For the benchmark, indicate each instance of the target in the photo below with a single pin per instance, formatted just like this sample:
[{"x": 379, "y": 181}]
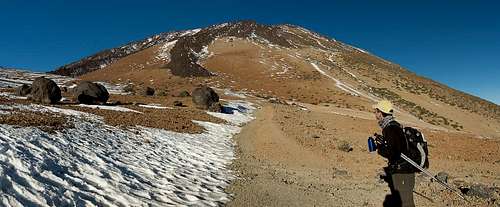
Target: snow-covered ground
[
  {"x": 99, "y": 165},
  {"x": 112, "y": 108},
  {"x": 11, "y": 78},
  {"x": 95, "y": 164}
]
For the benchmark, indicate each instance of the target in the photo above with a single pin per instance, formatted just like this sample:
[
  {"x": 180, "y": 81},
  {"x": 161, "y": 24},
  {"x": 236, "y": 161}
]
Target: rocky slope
[{"x": 290, "y": 63}]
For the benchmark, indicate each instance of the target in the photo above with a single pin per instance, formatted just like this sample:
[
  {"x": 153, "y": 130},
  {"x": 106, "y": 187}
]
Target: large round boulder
[
  {"x": 46, "y": 91},
  {"x": 204, "y": 97},
  {"x": 23, "y": 90},
  {"x": 87, "y": 92}
]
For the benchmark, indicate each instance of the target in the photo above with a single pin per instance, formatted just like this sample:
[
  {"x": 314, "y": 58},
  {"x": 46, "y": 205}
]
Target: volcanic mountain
[{"x": 287, "y": 63}]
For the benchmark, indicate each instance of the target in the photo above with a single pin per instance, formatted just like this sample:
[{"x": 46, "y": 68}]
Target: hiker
[{"x": 398, "y": 174}]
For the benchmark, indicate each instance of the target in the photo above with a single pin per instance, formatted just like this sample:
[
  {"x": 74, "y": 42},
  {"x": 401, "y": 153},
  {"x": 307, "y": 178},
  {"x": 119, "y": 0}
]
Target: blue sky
[{"x": 454, "y": 42}]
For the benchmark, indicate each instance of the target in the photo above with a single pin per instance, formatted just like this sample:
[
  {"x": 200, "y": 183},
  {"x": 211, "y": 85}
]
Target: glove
[{"x": 379, "y": 139}]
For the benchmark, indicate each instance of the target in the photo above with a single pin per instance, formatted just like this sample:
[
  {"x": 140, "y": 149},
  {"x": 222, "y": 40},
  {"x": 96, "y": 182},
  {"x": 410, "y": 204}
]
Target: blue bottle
[{"x": 371, "y": 144}]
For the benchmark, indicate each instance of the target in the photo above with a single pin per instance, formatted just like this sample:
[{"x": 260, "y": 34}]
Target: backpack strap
[{"x": 395, "y": 123}]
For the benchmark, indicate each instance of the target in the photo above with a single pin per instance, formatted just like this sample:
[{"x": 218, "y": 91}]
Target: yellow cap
[{"x": 384, "y": 106}]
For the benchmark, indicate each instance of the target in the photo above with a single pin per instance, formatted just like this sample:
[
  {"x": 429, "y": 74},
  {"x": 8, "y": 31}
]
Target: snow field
[{"x": 94, "y": 164}]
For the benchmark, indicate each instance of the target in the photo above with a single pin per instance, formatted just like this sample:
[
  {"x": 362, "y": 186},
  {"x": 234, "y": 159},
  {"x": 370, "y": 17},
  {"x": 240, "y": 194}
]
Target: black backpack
[{"x": 417, "y": 147}]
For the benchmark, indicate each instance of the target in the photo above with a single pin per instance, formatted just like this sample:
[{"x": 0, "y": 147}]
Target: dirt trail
[
  {"x": 275, "y": 170},
  {"x": 266, "y": 141},
  {"x": 289, "y": 156}
]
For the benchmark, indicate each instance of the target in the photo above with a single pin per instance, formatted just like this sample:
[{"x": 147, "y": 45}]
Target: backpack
[{"x": 417, "y": 147}]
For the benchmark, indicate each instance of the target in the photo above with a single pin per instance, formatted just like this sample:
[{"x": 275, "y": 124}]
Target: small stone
[
  {"x": 442, "y": 176},
  {"x": 184, "y": 94},
  {"x": 345, "y": 146},
  {"x": 315, "y": 136},
  {"x": 115, "y": 103},
  {"x": 129, "y": 88},
  {"x": 340, "y": 173},
  {"x": 178, "y": 103},
  {"x": 480, "y": 190}
]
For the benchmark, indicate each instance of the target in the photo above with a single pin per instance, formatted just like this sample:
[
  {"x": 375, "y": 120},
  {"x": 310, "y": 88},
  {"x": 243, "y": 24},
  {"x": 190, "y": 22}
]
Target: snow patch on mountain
[
  {"x": 338, "y": 83},
  {"x": 189, "y": 32},
  {"x": 164, "y": 51}
]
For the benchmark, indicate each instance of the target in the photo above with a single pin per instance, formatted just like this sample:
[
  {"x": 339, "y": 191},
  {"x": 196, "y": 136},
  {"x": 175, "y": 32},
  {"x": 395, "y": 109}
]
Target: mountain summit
[{"x": 289, "y": 63}]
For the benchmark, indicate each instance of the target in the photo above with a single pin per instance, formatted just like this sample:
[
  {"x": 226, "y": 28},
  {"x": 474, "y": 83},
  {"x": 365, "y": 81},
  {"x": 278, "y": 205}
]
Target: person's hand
[{"x": 379, "y": 139}]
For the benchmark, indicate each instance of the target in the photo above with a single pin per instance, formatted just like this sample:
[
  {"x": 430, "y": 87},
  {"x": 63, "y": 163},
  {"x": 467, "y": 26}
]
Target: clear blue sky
[{"x": 454, "y": 42}]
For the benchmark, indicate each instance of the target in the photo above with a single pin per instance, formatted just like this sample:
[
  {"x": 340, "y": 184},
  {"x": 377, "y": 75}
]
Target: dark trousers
[{"x": 401, "y": 185}]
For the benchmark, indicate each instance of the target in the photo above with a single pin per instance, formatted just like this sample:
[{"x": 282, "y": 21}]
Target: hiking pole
[{"x": 432, "y": 176}]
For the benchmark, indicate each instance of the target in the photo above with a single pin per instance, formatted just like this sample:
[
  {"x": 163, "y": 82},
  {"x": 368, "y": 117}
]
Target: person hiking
[{"x": 398, "y": 174}]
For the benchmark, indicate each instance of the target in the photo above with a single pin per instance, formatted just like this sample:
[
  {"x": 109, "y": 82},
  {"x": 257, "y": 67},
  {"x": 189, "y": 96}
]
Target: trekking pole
[{"x": 432, "y": 176}]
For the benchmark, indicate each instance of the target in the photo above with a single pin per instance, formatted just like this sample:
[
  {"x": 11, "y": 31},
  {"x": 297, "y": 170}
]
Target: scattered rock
[
  {"x": 345, "y": 146},
  {"x": 129, "y": 88},
  {"x": 161, "y": 92},
  {"x": 115, "y": 103},
  {"x": 184, "y": 94},
  {"x": 340, "y": 173},
  {"x": 315, "y": 136},
  {"x": 23, "y": 90},
  {"x": 479, "y": 190},
  {"x": 46, "y": 91},
  {"x": 178, "y": 103},
  {"x": 204, "y": 97},
  {"x": 87, "y": 92},
  {"x": 442, "y": 176}
]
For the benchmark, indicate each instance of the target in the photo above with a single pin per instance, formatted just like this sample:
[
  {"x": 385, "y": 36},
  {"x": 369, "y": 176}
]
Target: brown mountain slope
[{"x": 292, "y": 63}]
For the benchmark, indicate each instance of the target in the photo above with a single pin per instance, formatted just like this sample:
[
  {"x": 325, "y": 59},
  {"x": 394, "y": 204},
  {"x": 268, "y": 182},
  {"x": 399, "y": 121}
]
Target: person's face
[{"x": 378, "y": 115}]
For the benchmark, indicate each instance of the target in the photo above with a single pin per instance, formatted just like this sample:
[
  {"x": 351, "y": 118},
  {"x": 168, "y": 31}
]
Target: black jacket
[{"x": 394, "y": 144}]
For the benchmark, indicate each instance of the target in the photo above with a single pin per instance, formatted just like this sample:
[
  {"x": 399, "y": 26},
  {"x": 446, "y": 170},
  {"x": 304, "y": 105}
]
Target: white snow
[
  {"x": 343, "y": 86},
  {"x": 112, "y": 108},
  {"x": 237, "y": 112},
  {"x": 164, "y": 51},
  {"x": 338, "y": 83},
  {"x": 361, "y": 50},
  {"x": 12, "y": 96},
  {"x": 94, "y": 164},
  {"x": 114, "y": 88},
  {"x": 330, "y": 58},
  {"x": 235, "y": 94},
  {"x": 155, "y": 106},
  {"x": 203, "y": 54},
  {"x": 189, "y": 32}
]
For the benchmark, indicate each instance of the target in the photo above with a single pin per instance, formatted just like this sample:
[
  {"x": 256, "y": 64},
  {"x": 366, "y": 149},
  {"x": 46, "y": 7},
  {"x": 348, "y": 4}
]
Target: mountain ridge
[{"x": 231, "y": 51}]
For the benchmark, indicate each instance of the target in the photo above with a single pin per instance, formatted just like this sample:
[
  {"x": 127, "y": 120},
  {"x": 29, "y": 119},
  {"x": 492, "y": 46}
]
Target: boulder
[
  {"x": 204, "y": 97},
  {"x": 46, "y": 91},
  {"x": 23, "y": 90},
  {"x": 148, "y": 91},
  {"x": 87, "y": 92}
]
